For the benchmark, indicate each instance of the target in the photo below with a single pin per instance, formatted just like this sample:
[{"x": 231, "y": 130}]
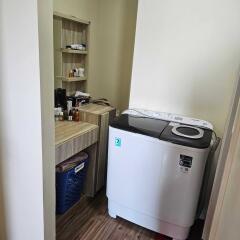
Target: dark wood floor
[{"x": 89, "y": 220}]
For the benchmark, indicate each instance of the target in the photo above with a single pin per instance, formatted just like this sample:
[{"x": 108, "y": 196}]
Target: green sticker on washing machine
[{"x": 118, "y": 142}]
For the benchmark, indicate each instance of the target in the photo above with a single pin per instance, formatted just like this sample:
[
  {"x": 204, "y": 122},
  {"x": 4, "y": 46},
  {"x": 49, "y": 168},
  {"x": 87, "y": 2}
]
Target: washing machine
[{"x": 156, "y": 164}]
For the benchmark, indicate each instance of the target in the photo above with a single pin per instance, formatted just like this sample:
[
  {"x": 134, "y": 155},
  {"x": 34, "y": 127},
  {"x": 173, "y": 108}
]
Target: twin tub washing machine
[{"x": 156, "y": 163}]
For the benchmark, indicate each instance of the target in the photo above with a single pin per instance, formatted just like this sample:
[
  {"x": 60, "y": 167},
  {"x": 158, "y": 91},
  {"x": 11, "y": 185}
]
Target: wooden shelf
[
  {"x": 65, "y": 50},
  {"x": 71, "y": 18},
  {"x": 72, "y": 79},
  {"x": 69, "y": 30}
]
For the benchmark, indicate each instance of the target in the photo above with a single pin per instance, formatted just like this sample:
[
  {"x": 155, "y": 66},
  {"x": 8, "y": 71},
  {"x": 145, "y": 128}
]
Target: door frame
[{"x": 223, "y": 169}]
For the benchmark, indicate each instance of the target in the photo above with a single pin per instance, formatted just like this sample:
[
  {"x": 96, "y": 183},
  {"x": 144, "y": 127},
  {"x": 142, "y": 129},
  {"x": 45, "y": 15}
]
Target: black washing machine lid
[
  {"x": 187, "y": 135},
  {"x": 142, "y": 125}
]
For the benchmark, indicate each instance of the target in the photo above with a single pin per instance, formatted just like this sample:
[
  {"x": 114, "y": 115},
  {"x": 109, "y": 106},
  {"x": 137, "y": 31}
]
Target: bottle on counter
[
  {"x": 75, "y": 72},
  {"x": 57, "y": 117},
  {"x": 77, "y": 116},
  {"x": 70, "y": 116},
  {"x": 71, "y": 73},
  {"x": 73, "y": 114},
  {"x": 69, "y": 105},
  {"x": 57, "y": 113},
  {"x": 61, "y": 116},
  {"x": 65, "y": 114}
]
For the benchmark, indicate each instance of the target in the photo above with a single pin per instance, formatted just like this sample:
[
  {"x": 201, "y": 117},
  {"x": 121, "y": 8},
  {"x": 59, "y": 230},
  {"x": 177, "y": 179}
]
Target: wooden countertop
[
  {"x": 64, "y": 130},
  {"x": 96, "y": 108}
]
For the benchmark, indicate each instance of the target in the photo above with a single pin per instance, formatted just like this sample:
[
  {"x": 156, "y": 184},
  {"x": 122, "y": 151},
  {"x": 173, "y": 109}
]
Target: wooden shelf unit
[{"x": 70, "y": 30}]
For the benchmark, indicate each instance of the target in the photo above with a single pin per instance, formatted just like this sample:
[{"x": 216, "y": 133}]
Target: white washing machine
[{"x": 156, "y": 163}]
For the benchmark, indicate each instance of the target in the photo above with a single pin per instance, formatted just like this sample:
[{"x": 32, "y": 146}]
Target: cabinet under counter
[{"x": 74, "y": 137}]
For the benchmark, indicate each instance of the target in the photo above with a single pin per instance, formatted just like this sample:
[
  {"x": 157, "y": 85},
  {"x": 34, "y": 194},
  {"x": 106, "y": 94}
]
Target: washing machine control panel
[
  {"x": 169, "y": 117},
  {"x": 185, "y": 161}
]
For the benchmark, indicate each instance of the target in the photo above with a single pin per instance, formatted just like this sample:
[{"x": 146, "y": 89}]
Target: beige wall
[
  {"x": 111, "y": 44},
  {"x": 228, "y": 226},
  {"x": 222, "y": 163},
  {"x": 187, "y": 57},
  {"x": 225, "y": 224},
  {"x": 116, "y": 33},
  {"x": 45, "y": 30},
  {"x": 2, "y": 209}
]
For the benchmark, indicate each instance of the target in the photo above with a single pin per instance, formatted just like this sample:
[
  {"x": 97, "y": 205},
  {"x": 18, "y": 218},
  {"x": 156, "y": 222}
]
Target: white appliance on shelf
[{"x": 156, "y": 164}]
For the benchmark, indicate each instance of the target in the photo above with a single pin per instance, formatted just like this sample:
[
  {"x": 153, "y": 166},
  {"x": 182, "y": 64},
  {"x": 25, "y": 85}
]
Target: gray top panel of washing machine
[{"x": 141, "y": 125}]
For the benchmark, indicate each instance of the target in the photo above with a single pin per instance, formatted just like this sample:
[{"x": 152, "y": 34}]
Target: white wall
[
  {"x": 20, "y": 123},
  {"x": 187, "y": 57}
]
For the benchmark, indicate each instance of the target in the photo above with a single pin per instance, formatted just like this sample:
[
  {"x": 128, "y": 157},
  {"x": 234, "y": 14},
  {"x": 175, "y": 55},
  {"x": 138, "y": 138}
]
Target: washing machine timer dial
[{"x": 185, "y": 161}]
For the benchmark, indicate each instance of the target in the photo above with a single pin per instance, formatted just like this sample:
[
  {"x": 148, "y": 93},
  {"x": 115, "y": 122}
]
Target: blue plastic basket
[{"x": 69, "y": 186}]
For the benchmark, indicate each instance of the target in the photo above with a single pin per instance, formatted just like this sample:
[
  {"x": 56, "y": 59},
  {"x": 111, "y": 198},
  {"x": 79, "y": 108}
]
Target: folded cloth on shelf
[
  {"x": 77, "y": 46},
  {"x": 81, "y": 94}
]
